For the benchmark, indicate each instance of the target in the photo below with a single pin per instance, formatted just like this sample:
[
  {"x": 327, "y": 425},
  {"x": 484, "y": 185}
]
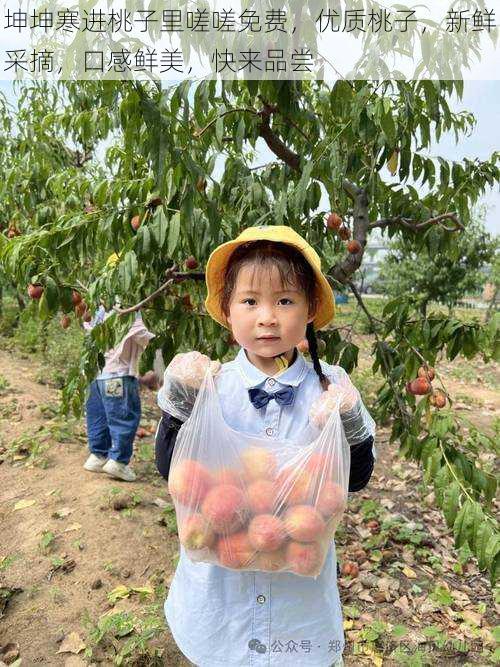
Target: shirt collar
[{"x": 252, "y": 376}]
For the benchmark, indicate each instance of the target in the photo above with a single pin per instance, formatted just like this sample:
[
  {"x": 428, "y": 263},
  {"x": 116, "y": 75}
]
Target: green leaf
[
  {"x": 174, "y": 229},
  {"x": 450, "y": 502}
]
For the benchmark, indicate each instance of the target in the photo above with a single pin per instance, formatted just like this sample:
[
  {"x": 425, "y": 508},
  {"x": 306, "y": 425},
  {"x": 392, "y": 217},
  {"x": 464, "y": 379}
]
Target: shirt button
[
  {"x": 271, "y": 382},
  {"x": 261, "y": 599},
  {"x": 269, "y": 431}
]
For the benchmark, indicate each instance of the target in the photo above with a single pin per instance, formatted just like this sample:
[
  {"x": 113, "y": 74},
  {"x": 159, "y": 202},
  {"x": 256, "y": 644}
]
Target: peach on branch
[
  {"x": 258, "y": 463},
  {"x": 191, "y": 263},
  {"x": 225, "y": 507},
  {"x": 35, "y": 291},
  {"x": 419, "y": 387},
  {"x": 438, "y": 398},
  {"x": 266, "y": 532},
  {"x": 135, "y": 222},
  {"x": 189, "y": 482},
  {"x": 261, "y": 496},
  {"x": 344, "y": 233},
  {"x": 426, "y": 372},
  {"x": 304, "y": 559},
  {"x": 235, "y": 550},
  {"x": 65, "y": 321},
  {"x": 76, "y": 297},
  {"x": 353, "y": 247},
  {"x": 334, "y": 221},
  {"x": 80, "y": 309},
  {"x": 304, "y": 523}
]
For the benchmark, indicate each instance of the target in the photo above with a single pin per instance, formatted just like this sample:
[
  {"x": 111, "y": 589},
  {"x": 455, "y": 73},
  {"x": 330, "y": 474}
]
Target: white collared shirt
[{"x": 221, "y": 617}]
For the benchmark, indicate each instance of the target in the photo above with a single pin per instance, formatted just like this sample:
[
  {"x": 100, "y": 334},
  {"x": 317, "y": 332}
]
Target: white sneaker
[
  {"x": 95, "y": 463},
  {"x": 119, "y": 470}
]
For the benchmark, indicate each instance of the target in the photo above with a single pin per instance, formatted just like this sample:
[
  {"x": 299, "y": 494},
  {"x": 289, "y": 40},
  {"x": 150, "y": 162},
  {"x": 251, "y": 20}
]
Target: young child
[
  {"x": 267, "y": 287},
  {"x": 113, "y": 407}
]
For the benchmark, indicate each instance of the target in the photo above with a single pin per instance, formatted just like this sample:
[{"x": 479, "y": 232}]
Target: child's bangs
[{"x": 262, "y": 269}]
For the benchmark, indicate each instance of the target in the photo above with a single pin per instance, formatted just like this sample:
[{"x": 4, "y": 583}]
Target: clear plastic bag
[{"x": 249, "y": 503}]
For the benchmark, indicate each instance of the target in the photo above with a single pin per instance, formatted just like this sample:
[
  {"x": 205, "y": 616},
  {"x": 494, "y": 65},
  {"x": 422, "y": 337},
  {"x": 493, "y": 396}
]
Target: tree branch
[
  {"x": 402, "y": 408},
  {"x": 343, "y": 270},
  {"x": 198, "y": 133},
  {"x": 415, "y": 226},
  {"x": 174, "y": 277},
  {"x": 277, "y": 146}
]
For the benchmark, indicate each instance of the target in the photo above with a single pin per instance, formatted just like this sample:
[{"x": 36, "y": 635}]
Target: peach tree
[{"x": 178, "y": 174}]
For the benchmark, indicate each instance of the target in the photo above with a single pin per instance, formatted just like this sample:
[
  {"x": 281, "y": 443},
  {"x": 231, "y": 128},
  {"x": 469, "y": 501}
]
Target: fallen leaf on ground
[
  {"x": 72, "y": 643},
  {"x": 22, "y": 504}
]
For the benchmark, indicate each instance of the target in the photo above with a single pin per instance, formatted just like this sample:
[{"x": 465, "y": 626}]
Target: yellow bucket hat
[{"x": 217, "y": 262}]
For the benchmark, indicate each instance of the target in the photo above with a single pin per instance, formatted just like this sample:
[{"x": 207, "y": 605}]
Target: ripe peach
[
  {"x": 304, "y": 523},
  {"x": 266, "y": 532},
  {"x": 438, "y": 398},
  {"x": 303, "y": 558},
  {"x": 35, "y": 291},
  {"x": 295, "y": 487},
  {"x": 80, "y": 308},
  {"x": 270, "y": 561},
  {"x": 225, "y": 507},
  {"x": 330, "y": 499},
  {"x": 261, "y": 496},
  {"x": 189, "y": 482},
  {"x": 353, "y": 247},
  {"x": 76, "y": 297},
  {"x": 196, "y": 533},
  {"x": 235, "y": 550},
  {"x": 228, "y": 476},
  {"x": 191, "y": 263},
  {"x": 334, "y": 221},
  {"x": 135, "y": 222},
  {"x": 319, "y": 464},
  {"x": 428, "y": 373},
  {"x": 258, "y": 463},
  {"x": 344, "y": 233},
  {"x": 419, "y": 387},
  {"x": 303, "y": 346},
  {"x": 65, "y": 321}
]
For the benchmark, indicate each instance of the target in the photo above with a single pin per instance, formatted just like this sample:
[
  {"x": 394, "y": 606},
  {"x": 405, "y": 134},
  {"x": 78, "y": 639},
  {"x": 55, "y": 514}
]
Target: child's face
[{"x": 263, "y": 307}]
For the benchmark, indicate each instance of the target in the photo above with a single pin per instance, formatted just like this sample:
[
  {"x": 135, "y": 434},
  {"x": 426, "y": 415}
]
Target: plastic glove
[
  {"x": 181, "y": 382},
  {"x": 342, "y": 394},
  {"x": 189, "y": 368}
]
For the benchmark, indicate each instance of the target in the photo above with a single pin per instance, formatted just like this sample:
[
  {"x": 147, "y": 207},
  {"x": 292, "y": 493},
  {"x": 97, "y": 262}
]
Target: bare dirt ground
[{"x": 85, "y": 562}]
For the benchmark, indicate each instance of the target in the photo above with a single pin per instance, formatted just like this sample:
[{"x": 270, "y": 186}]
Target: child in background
[
  {"x": 113, "y": 407},
  {"x": 267, "y": 287}
]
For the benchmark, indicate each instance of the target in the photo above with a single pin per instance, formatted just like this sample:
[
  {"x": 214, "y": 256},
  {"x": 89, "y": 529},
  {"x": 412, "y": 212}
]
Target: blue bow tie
[{"x": 259, "y": 398}]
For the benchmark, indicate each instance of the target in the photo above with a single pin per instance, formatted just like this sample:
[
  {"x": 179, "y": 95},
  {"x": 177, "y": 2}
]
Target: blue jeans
[{"x": 113, "y": 411}]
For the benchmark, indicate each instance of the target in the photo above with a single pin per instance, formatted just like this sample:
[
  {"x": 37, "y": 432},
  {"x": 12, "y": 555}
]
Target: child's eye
[
  {"x": 248, "y": 299},
  {"x": 286, "y": 299}
]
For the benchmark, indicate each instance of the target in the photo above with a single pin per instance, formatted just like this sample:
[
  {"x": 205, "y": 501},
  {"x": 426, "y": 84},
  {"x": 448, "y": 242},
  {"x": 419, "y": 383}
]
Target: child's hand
[
  {"x": 342, "y": 394},
  {"x": 189, "y": 368}
]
